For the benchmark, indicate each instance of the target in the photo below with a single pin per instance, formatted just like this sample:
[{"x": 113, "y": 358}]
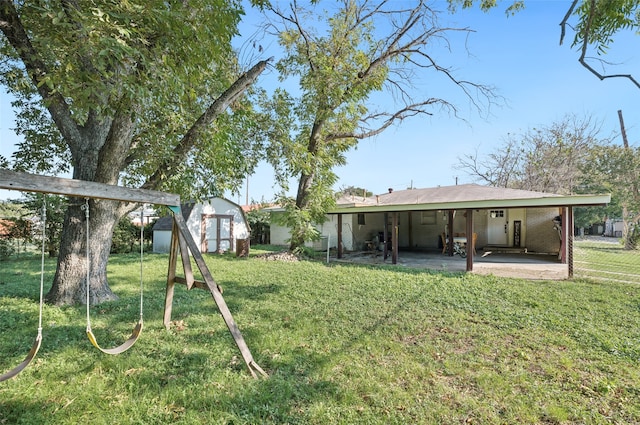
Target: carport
[{"x": 470, "y": 201}]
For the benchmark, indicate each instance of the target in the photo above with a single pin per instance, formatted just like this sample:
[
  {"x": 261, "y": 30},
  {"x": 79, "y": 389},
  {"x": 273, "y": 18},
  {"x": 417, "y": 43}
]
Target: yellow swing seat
[
  {"x": 120, "y": 348},
  {"x": 138, "y": 328},
  {"x": 38, "y": 341},
  {"x": 30, "y": 356}
]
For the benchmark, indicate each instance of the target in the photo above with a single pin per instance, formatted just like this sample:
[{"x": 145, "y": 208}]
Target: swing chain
[{"x": 85, "y": 207}]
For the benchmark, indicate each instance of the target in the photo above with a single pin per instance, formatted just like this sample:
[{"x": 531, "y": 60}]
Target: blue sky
[
  {"x": 520, "y": 56},
  {"x": 540, "y": 80}
]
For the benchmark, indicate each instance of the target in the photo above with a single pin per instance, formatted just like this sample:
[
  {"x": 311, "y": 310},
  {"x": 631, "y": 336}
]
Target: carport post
[
  {"x": 394, "y": 238},
  {"x": 564, "y": 235},
  {"x": 450, "y": 232},
  {"x": 339, "y": 236},
  {"x": 569, "y": 224},
  {"x": 469, "y": 232}
]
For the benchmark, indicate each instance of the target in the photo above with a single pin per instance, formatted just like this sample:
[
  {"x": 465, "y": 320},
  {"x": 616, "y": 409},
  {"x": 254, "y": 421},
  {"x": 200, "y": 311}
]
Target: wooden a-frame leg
[
  {"x": 171, "y": 277},
  {"x": 217, "y": 295},
  {"x": 186, "y": 260}
]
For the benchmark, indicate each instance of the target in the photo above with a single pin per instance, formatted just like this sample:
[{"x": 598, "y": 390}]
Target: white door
[
  {"x": 217, "y": 233},
  {"x": 224, "y": 233},
  {"x": 497, "y": 232}
]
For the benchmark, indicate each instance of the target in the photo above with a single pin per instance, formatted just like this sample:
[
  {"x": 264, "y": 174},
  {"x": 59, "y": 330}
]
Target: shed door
[
  {"x": 217, "y": 233},
  {"x": 497, "y": 231}
]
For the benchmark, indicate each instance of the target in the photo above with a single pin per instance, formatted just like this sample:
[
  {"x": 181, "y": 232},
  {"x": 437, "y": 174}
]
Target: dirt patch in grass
[{"x": 285, "y": 256}]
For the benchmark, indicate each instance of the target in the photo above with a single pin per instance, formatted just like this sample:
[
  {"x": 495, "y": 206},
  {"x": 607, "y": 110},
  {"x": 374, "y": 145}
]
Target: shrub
[{"x": 6, "y": 249}]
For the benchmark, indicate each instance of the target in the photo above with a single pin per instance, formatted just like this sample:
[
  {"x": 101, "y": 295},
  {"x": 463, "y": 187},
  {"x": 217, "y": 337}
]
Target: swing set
[{"x": 182, "y": 244}]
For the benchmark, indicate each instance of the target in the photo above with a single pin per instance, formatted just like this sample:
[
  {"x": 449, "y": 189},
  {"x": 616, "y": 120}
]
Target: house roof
[{"x": 462, "y": 197}]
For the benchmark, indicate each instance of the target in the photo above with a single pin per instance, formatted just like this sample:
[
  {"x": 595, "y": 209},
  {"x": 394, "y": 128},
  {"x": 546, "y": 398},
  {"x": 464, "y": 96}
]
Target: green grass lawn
[
  {"x": 342, "y": 344},
  {"x": 606, "y": 261}
]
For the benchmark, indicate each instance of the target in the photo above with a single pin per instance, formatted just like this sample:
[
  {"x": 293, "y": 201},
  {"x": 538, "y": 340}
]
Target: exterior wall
[
  {"x": 614, "y": 228},
  {"x": 280, "y": 234},
  {"x": 367, "y": 233},
  {"x": 480, "y": 223},
  {"x": 218, "y": 206},
  {"x": 329, "y": 230},
  {"x": 161, "y": 241},
  {"x": 425, "y": 228},
  {"x": 541, "y": 236},
  {"x": 517, "y": 214},
  {"x": 537, "y": 232}
]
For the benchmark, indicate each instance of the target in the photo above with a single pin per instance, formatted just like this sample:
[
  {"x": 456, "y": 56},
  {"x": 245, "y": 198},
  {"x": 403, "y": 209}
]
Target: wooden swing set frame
[{"x": 182, "y": 243}]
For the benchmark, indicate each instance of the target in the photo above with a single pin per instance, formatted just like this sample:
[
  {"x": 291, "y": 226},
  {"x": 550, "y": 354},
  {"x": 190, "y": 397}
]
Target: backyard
[{"x": 342, "y": 343}]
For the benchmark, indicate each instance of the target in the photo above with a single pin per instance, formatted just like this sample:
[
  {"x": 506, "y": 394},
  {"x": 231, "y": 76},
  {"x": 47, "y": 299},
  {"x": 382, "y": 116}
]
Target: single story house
[
  {"x": 218, "y": 224},
  {"x": 424, "y": 219}
]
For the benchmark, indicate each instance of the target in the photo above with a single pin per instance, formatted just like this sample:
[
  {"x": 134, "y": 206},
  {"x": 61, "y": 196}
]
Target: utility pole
[
  {"x": 625, "y": 210},
  {"x": 246, "y": 202},
  {"x": 625, "y": 141}
]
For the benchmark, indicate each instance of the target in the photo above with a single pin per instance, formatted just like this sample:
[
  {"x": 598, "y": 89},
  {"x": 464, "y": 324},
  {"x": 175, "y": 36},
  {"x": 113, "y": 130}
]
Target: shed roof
[
  {"x": 462, "y": 197},
  {"x": 166, "y": 223}
]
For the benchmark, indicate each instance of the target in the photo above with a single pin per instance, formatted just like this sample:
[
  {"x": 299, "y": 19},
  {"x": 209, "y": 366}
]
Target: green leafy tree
[
  {"x": 21, "y": 231},
  {"x": 126, "y": 237},
  {"x": 616, "y": 170},
  {"x": 598, "y": 21},
  {"x": 353, "y": 191},
  {"x": 141, "y": 94},
  {"x": 554, "y": 159},
  {"x": 259, "y": 221},
  {"x": 56, "y": 207},
  {"x": 340, "y": 58}
]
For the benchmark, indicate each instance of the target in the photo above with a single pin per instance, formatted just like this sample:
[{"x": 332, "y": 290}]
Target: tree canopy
[
  {"x": 570, "y": 156},
  {"x": 144, "y": 73},
  {"x": 137, "y": 94},
  {"x": 338, "y": 57},
  {"x": 550, "y": 158}
]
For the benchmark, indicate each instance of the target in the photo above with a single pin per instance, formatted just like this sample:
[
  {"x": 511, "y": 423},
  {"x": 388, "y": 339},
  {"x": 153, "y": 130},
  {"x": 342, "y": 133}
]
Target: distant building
[{"x": 217, "y": 224}]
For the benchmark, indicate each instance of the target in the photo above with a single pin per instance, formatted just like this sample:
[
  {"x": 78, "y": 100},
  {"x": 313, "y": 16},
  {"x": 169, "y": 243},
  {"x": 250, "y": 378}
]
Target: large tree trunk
[
  {"x": 302, "y": 203},
  {"x": 304, "y": 185},
  {"x": 69, "y": 285},
  {"x": 99, "y": 157}
]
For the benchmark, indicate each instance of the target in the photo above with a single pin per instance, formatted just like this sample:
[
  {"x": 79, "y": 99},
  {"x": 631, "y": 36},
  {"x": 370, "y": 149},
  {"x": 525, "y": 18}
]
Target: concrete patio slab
[{"x": 525, "y": 266}]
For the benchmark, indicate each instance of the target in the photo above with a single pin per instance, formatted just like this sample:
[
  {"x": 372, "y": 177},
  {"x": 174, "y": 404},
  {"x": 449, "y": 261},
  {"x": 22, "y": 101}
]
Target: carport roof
[{"x": 463, "y": 196}]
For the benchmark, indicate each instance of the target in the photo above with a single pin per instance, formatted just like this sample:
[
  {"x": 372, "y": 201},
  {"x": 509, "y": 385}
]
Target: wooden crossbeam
[{"x": 14, "y": 180}]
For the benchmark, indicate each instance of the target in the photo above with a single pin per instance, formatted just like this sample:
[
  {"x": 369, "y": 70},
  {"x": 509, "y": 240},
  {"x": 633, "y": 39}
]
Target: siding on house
[
  {"x": 280, "y": 235},
  {"x": 421, "y": 230}
]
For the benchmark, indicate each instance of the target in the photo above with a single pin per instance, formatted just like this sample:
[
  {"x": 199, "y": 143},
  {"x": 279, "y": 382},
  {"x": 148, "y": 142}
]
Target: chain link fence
[{"x": 605, "y": 259}]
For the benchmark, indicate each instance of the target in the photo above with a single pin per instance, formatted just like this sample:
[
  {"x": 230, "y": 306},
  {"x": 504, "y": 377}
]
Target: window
[
  {"x": 496, "y": 213},
  {"x": 427, "y": 217},
  {"x": 361, "y": 219}
]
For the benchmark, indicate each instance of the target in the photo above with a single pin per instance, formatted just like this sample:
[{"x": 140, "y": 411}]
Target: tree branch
[
  {"x": 585, "y": 43},
  {"x": 406, "y": 112},
  {"x": 296, "y": 22},
  {"x": 563, "y": 24},
  {"x": 172, "y": 164}
]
